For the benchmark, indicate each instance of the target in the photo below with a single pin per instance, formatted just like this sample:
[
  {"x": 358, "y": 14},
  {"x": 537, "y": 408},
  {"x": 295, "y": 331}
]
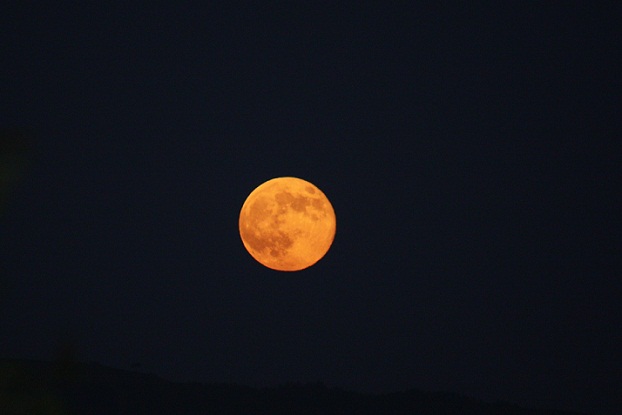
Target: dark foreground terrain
[{"x": 32, "y": 387}]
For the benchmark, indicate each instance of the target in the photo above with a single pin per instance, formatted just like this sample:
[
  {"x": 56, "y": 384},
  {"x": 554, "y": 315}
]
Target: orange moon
[{"x": 287, "y": 224}]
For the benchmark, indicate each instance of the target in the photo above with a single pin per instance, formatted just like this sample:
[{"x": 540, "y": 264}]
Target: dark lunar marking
[
  {"x": 310, "y": 189},
  {"x": 318, "y": 204},
  {"x": 277, "y": 244},
  {"x": 284, "y": 198},
  {"x": 300, "y": 203}
]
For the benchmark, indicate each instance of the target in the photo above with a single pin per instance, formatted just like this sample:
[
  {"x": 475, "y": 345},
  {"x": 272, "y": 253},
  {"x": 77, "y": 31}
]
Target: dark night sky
[{"x": 470, "y": 154}]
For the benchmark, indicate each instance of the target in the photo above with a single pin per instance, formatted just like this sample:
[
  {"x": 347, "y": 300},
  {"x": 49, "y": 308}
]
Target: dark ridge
[{"x": 35, "y": 387}]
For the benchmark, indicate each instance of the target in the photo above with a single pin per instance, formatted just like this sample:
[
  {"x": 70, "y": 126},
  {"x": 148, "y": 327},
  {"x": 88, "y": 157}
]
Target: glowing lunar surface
[{"x": 287, "y": 224}]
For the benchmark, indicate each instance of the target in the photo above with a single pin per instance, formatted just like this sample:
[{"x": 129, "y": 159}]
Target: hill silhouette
[{"x": 59, "y": 388}]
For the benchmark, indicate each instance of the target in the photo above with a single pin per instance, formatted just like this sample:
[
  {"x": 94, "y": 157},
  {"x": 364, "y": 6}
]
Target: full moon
[{"x": 287, "y": 224}]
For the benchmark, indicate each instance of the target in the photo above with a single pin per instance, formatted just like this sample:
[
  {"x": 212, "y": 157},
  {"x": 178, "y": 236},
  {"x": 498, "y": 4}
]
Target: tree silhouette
[{"x": 40, "y": 388}]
